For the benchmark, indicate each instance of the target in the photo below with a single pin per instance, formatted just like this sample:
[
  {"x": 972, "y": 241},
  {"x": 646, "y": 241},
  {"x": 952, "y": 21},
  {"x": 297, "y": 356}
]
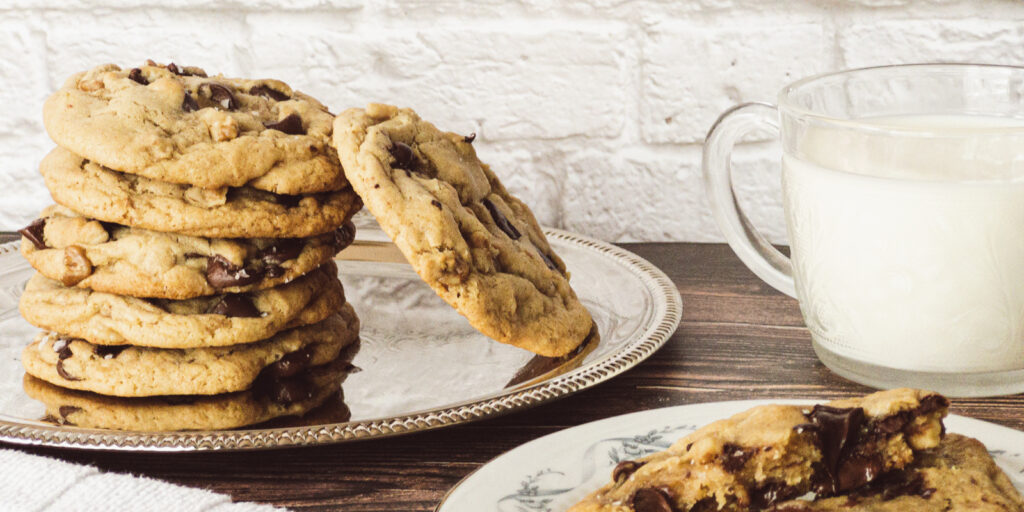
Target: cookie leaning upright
[{"x": 475, "y": 244}]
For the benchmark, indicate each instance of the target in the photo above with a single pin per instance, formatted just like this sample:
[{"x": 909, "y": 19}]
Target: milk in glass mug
[{"x": 903, "y": 189}]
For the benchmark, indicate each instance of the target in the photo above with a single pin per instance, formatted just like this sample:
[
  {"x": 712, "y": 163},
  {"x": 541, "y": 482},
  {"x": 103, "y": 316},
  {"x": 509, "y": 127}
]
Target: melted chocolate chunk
[
  {"x": 221, "y": 273},
  {"x": 135, "y": 75},
  {"x": 500, "y": 220},
  {"x": 468, "y": 139},
  {"x": 625, "y": 469},
  {"x": 235, "y": 306},
  {"x": 221, "y": 95},
  {"x": 63, "y": 349},
  {"x": 34, "y": 233},
  {"x": 858, "y": 470},
  {"x": 291, "y": 364},
  {"x": 282, "y": 250},
  {"x": 652, "y": 499},
  {"x": 734, "y": 457},
  {"x": 770, "y": 493},
  {"x": 173, "y": 68},
  {"x": 67, "y": 410},
  {"x": 189, "y": 104},
  {"x": 838, "y": 431},
  {"x": 62, "y": 372},
  {"x": 912, "y": 486},
  {"x": 437, "y": 204},
  {"x": 345, "y": 235},
  {"x": 404, "y": 156},
  {"x": 108, "y": 351},
  {"x": 267, "y": 92},
  {"x": 292, "y": 125},
  {"x": 548, "y": 261}
]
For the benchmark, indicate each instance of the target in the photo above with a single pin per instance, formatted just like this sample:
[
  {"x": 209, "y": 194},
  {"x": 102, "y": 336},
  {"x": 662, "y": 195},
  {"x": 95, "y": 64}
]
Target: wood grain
[{"x": 739, "y": 339}]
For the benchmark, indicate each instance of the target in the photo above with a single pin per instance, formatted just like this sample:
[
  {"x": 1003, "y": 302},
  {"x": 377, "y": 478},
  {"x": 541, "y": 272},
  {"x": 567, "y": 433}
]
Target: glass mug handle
[{"x": 752, "y": 248}]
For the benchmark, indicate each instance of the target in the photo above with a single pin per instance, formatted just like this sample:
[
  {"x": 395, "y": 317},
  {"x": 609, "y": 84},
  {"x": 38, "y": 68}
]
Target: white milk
[{"x": 908, "y": 252}]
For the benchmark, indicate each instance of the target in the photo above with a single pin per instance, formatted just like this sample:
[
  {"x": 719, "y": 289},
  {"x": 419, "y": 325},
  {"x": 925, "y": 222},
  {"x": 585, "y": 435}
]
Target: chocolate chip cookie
[
  {"x": 112, "y": 258},
  {"x": 959, "y": 475},
  {"x": 245, "y": 212},
  {"x": 270, "y": 398},
  {"x": 177, "y": 125},
  {"x": 124, "y": 370},
  {"x": 475, "y": 244},
  {"x": 777, "y": 452},
  {"x": 211, "y": 321}
]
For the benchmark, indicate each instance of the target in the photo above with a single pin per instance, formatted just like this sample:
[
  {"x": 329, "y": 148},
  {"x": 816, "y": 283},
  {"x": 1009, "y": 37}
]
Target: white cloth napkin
[{"x": 30, "y": 483}]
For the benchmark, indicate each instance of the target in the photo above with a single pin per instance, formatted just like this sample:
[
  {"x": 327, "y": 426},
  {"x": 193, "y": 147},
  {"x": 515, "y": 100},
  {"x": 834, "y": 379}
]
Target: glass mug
[{"x": 903, "y": 190}]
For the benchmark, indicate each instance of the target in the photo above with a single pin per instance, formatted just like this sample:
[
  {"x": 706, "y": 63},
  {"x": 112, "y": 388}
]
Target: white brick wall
[{"x": 592, "y": 110}]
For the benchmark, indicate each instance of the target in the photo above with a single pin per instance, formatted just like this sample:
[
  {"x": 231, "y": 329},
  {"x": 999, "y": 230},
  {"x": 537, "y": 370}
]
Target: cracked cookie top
[{"x": 178, "y": 125}]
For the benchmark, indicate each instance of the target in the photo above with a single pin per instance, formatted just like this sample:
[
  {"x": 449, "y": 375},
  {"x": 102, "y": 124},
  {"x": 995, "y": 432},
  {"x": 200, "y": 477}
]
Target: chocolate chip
[
  {"x": 63, "y": 373},
  {"x": 500, "y": 220},
  {"x": 221, "y": 95},
  {"x": 63, "y": 349},
  {"x": 437, "y": 204},
  {"x": 292, "y": 125},
  {"x": 652, "y": 499},
  {"x": 932, "y": 403},
  {"x": 838, "y": 431},
  {"x": 34, "y": 233},
  {"x": 67, "y": 410},
  {"x": 136, "y": 76},
  {"x": 291, "y": 364},
  {"x": 173, "y": 68},
  {"x": 734, "y": 457},
  {"x": 287, "y": 201},
  {"x": 108, "y": 351},
  {"x": 404, "y": 156},
  {"x": 283, "y": 249},
  {"x": 345, "y": 235},
  {"x": 548, "y": 261},
  {"x": 772, "y": 492},
  {"x": 267, "y": 92},
  {"x": 858, "y": 470},
  {"x": 273, "y": 271},
  {"x": 235, "y": 306},
  {"x": 908, "y": 486},
  {"x": 468, "y": 139},
  {"x": 221, "y": 273},
  {"x": 189, "y": 104},
  {"x": 625, "y": 469}
]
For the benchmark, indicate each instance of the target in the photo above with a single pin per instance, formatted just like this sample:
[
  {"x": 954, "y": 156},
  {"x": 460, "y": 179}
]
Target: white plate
[{"x": 554, "y": 472}]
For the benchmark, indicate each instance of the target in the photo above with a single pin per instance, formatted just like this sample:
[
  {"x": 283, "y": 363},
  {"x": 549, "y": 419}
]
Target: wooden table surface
[{"x": 739, "y": 339}]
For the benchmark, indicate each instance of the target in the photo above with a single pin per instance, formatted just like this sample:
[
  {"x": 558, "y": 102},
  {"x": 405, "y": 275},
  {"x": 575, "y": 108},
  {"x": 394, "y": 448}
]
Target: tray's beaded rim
[{"x": 668, "y": 304}]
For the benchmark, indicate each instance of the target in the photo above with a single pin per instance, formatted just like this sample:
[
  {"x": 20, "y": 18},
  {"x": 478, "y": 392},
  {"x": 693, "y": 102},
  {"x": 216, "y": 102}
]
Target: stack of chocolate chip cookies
[{"x": 185, "y": 279}]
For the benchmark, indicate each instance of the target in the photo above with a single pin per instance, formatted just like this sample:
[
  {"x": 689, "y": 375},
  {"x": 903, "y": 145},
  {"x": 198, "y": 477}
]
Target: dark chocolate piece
[
  {"x": 62, "y": 372},
  {"x": 437, "y": 204},
  {"x": 625, "y": 469},
  {"x": 221, "y": 273},
  {"x": 838, "y": 431},
  {"x": 500, "y": 220},
  {"x": 189, "y": 104},
  {"x": 652, "y": 499},
  {"x": 283, "y": 249},
  {"x": 468, "y": 139},
  {"x": 291, "y": 364},
  {"x": 345, "y": 235},
  {"x": 34, "y": 233},
  {"x": 404, "y": 156},
  {"x": 734, "y": 457},
  {"x": 292, "y": 125},
  {"x": 235, "y": 306},
  {"x": 135, "y": 75},
  {"x": 221, "y": 95},
  {"x": 267, "y": 92},
  {"x": 67, "y": 410},
  {"x": 770, "y": 493},
  {"x": 548, "y": 261},
  {"x": 108, "y": 351},
  {"x": 173, "y": 68}
]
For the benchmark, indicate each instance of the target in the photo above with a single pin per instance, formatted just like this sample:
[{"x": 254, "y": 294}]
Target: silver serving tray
[{"x": 421, "y": 364}]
